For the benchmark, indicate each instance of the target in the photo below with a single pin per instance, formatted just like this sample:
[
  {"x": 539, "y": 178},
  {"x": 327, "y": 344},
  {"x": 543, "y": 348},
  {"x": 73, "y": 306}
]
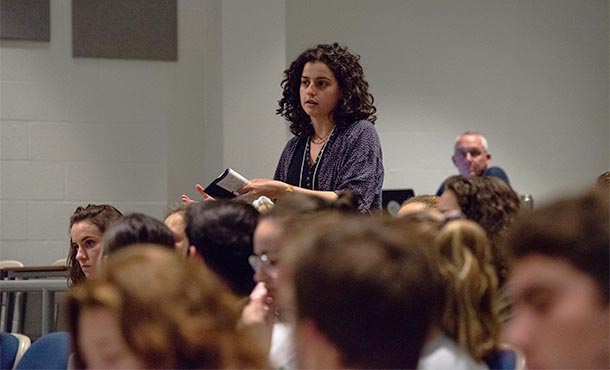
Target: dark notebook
[{"x": 226, "y": 185}]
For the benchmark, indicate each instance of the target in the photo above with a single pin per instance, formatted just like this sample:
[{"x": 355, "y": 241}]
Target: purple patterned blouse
[{"x": 352, "y": 160}]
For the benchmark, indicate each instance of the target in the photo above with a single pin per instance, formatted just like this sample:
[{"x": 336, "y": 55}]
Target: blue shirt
[{"x": 490, "y": 171}]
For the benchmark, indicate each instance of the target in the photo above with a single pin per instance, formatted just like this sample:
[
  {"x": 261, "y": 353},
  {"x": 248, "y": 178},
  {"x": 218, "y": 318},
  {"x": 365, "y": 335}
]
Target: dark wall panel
[
  {"x": 24, "y": 20},
  {"x": 125, "y": 29}
]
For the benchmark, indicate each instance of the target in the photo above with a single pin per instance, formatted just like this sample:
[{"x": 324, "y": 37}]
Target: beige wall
[{"x": 532, "y": 75}]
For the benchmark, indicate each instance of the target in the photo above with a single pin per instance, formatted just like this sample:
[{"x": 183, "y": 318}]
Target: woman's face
[
  {"x": 448, "y": 202},
  {"x": 267, "y": 246},
  {"x": 87, "y": 241},
  {"x": 101, "y": 343},
  {"x": 319, "y": 90},
  {"x": 177, "y": 225}
]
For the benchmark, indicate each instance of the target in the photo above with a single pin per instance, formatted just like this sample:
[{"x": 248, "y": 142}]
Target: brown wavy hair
[
  {"x": 355, "y": 102},
  {"x": 173, "y": 313},
  {"x": 101, "y": 215},
  {"x": 493, "y": 204}
]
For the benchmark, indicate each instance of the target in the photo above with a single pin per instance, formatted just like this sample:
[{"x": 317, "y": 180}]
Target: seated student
[
  {"x": 488, "y": 201},
  {"x": 364, "y": 291},
  {"x": 87, "y": 227},
  {"x": 264, "y": 314},
  {"x": 149, "y": 308},
  {"x": 175, "y": 220},
  {"x": 559, "y": 281},
  {"x": 418, "y": 203},
  {"x": 221, "y": 232},
  {"x": 471, "y": 157},
  {"x": 470, "y": 314},
  {"x": 135, "y": 228},
  {"x": 448, "y": 346}
]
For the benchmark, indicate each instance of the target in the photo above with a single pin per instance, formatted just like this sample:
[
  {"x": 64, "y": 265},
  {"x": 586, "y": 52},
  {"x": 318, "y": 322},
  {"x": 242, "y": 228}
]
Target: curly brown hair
[
  {"x": 490, "y": 202},
  {"x": 355, "y": 102},
  {"x": 173, "y": 313}
]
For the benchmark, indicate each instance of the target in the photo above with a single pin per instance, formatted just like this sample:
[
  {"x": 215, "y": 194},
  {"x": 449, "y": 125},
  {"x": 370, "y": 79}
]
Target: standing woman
[
  {"x": 87, "y": 228},
  {"x": 335, "y": 147}
]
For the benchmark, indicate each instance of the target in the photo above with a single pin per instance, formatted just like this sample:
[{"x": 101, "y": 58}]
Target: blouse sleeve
[
  {"x": 281, "y": 171},
  {"x": 361, "y": 169}
]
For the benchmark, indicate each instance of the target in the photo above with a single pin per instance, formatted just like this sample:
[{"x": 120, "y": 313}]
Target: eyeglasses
[{"x": 261, "y": 262}]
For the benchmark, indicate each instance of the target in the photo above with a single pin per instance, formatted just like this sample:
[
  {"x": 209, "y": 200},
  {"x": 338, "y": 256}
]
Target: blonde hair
[{"x": 470, "y": 315}]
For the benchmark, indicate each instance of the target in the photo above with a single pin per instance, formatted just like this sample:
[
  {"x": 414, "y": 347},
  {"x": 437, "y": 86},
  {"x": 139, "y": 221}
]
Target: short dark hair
[
  {"x": 368, "y": 286},
  {"x": 100, "y": 215},
  {"x": 574, "y": 230},
  {"x": 134, "y": 228},
  {"x": 222, "y": 232},
  {"x": 355, "y": 102}
]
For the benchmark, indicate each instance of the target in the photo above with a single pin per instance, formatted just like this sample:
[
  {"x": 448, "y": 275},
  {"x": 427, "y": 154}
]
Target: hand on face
[{"x": 260, "y": 308}]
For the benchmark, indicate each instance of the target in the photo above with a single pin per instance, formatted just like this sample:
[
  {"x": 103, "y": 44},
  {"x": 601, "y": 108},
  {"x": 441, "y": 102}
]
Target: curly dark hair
[
  {"x": 355, "y": 102},
  {"x": 493, "y": 204}
]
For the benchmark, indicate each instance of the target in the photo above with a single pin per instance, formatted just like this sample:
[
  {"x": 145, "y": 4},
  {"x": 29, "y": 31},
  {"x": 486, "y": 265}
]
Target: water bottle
[{"x": 527, "y": 201}]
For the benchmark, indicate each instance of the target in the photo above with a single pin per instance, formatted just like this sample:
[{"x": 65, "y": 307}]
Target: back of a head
[
  {"x": 222, "y": 232},
  {"x": 367, "y": 285},
  {"x": 172, "y": 312},
  {"x": 136, "y": 228},
  {"x": 418, "y": 203},
  {"x": 302, "y": 206},
  {"x": 470, "y": 315},
  {"x": 574, "y": 230},
  {"x": 493, "y": 204},
  {"x": 487, "y": 200}
]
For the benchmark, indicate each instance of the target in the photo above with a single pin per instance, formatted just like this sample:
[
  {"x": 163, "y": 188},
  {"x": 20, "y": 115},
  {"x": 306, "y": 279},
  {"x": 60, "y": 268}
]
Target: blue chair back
[
  {"x": 8, "y": 351},
  {"x": 50, "y": 351},
  {"x": 507, "y": 357}
]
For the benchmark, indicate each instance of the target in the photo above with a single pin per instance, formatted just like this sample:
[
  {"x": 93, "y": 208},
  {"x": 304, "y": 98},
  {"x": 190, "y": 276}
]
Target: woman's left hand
[
  {"x": 270, "y": 188},
  {"x": 186, "y": 199}
]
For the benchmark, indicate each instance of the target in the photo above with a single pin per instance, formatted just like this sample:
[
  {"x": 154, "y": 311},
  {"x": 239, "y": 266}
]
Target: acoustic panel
[
  {"x": 24, "y": 20},
  {"x": 125, "y": 29}
]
